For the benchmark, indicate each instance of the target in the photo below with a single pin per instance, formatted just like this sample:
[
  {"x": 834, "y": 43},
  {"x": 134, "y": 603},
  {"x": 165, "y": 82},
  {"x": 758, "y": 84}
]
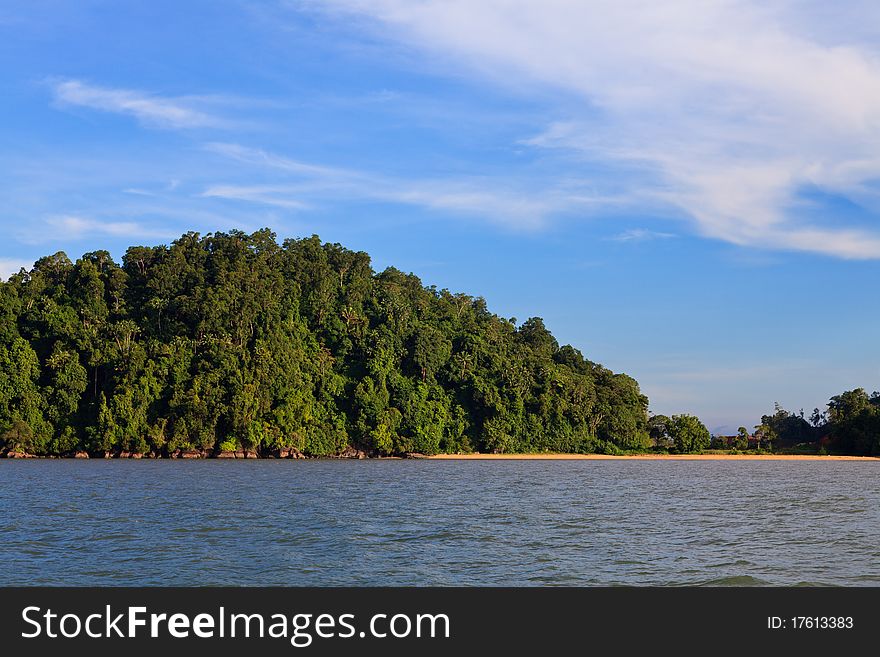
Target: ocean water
[{"x": 433, "y": 523}]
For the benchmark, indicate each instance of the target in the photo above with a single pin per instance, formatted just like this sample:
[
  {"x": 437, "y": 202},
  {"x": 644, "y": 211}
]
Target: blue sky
[{"x": 685, "y": 191}]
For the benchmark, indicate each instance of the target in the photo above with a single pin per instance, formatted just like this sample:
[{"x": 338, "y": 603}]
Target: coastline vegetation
[
  {"x": 850, "y": 424},
  {"x": 233, "y": 345}
]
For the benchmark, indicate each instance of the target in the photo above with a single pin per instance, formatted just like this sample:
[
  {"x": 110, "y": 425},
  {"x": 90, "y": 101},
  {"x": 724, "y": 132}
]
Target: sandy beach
[{"x": 650, "y": 457}]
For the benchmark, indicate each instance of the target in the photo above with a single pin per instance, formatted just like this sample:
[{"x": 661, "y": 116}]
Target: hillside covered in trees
[{"x": 231, "y": 343}]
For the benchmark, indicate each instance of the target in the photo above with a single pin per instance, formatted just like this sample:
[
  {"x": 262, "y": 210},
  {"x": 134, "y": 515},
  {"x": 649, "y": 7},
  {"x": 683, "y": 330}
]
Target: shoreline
[
  {"x": 360, "y": 455},
  {"x": 648, "y": 457}
]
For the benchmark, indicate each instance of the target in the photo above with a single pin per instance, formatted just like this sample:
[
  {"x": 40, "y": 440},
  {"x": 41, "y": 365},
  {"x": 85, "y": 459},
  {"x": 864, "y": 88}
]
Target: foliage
[
  {"x": 850, "y": 425},
  {"x": 784, "y": 428},
  {"x": 854, "y": 422},
  {"x": 742, "y": 439},
  {"x": 658, "y": 431},
  {"x": 232, "y": 341},
  {"x": 688, "y": 434}
]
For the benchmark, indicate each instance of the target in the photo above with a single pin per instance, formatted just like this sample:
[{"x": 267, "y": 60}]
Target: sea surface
[{"x": 421, "y": 523}]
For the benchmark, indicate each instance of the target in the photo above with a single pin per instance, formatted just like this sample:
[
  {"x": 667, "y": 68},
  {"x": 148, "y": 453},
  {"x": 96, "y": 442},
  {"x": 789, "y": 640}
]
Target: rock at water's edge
[
  {"x": 288, "y": 453},
  {"x": 15, "y": 454}
]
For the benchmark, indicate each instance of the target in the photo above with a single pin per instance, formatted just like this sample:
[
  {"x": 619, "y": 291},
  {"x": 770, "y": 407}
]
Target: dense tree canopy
[
  {"x": 853, "y": 422},
  {"x": 233, "y": 342},
  {"x": 688, "y": 434},
  {"x": 850, "y": 425}
]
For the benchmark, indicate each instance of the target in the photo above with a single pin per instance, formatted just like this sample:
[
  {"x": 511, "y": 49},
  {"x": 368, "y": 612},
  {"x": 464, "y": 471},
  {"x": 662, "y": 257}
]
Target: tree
[
  {"x": 786, "y": 428},
  {"x": 765, "y": 435},
  {"x": 17, "y": 436},
  {"x": 742, "y": 438},
  {"x": 230, "y": 340},
  {"x": 854, "y": 419},
  {"x": 430, "y": 351},
  {"x": 21, "y": 401},
  {"x": 658, "y": 430},
  {"x": 688, "y": 434}
]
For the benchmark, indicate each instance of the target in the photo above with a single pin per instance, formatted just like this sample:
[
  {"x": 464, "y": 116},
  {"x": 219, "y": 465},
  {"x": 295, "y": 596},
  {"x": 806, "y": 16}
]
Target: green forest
[{"x": 233, "y": 344}]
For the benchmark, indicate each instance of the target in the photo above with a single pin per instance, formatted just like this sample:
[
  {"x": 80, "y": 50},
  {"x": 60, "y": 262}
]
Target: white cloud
[
  {"x": 640, "y": 235},
  {"x": 73, "y": 227},
  {"x": 259, "y": 157},
  {"x": 512, "y": 203},
  {"x": 10, "y": 266},
  {"x": 151, "y": 110},
  {"x": 264, "y": 194},
  {"x": 731, "y": 107}
]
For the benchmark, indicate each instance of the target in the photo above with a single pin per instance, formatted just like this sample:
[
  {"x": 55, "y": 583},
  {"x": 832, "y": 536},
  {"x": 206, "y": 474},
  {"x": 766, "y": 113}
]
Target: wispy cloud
[
  {"x": 260, "y": 157},
  {"x": 10, "y": 266},
  {"x": 264, "y": 194},
  {"x": 75, "y": 227},
  {"x": 297, "y": 184},
  {"x": 640, "y": 235},
  {"x": 732, "y": 108},
  {"x": 149, "y": 109},
  {"x": 165, "y": 189}
]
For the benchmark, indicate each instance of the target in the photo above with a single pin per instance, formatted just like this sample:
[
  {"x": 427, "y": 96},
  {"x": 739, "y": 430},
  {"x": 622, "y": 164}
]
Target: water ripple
[{"x": 564, "y": 523}]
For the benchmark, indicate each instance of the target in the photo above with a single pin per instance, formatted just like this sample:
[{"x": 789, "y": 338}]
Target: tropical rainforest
[{"x": 231, "y": 343}]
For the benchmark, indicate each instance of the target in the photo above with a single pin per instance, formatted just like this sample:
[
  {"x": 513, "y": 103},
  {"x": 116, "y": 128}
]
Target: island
[{"x": 233, "y": 345}]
